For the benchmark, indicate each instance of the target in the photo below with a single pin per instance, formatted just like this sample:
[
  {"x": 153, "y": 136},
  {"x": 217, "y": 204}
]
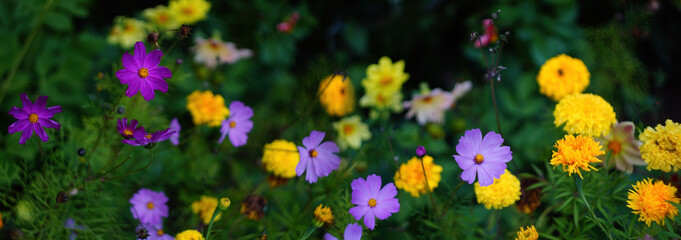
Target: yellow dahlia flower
[
  {"x": 385, "y": 76},
  {"x": 527, "y": 234},
  {"x": 323, "y": 215},
  {"x": 162, "y": 17},
  {"x": 561, "y": 76},
  {"x": 280, "y": 157},
  {"x": 207, "y": 108},
  {"x": 661, "y": 147},
  {"x": 409, "y": 177},
  {"x": 382, "y": 101},
  {"x": 126, "y": 32},
  {"x": 351, "y": 132},
  {"x": 585, "y": 114},
  {"x": 205, "y": 208},
  {"x": 575, "y": 154},
  {"x": 189, "y": 11},
  {"x": 337, "y": 95},
  {"x": 651, "y": 201},
  {"x": 189, "y": 235},
  {"x": 502, "y": 193}
]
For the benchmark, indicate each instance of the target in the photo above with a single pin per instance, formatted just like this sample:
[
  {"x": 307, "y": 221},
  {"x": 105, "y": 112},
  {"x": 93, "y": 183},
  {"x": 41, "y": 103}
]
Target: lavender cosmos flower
[
  {"x": 372, "y": 201},
  {"x": 142, "y": 138},
  {"x": 484, "y": 156},
  {"x": 352, "y": 232},
  {"x": 156, "y": 232},
  {"x": 127, "y": 129},
  {"x": 149, "y": 207},
  {"x": 318, "y": 159},
  {"x": 142, "y": 74},
  {"x": 33, "y": 117},
  {"x": 175, "y": 126},
  {"x": 238, "y": 125}
]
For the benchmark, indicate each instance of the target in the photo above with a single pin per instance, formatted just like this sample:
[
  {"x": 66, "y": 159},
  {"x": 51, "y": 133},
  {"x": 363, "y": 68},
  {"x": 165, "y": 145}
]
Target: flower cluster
[
  {"x": 383, "y": 85},
  {"x": 651, "y": 201},
  {"x": 661, "y": 148}
]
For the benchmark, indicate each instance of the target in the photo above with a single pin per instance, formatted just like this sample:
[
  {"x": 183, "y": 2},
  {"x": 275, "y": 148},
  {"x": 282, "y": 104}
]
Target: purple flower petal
[
  {"x": 26, "y": 103},
  {"x": 370, "y": 219},
  {"x": 49, "y": 112},
  {"x": 314, "y": 139},
  {"x": 133, "y": 89},
  {"x": 162, "y": 72},
  {"x": 328, "y": 236},
  {"x": 388, "y": 192},
  {"x": 352, "y": 232},
  {"x": 140, "y": 53},
  {"x": 39, "y": 104},
  {"x": 360, "y": 192},
  {"x": 146, "y": 90},
  {"x": 464, "y": 162},
  {"x": 359, "y": 211},
  {"x": 157, "y": 83},
  {"x": 26, "y": 134},
  {"x": 484, "y": 178},
  {"x": 126, "y": 76},
  {"x": 490, "y": 142},
  {"x": 304, "y": 158},
  {"x": 329, "y": 147},
  {"x": 311, "y": 173},
  {"x": 374, "y": 184},
  {"x": 18, "y": 126},
  {"x": 175, "y": 126},
  {"x": 391, "y": 205},
  {"x": 495, "y": 170},
  {"x": 129, "y": 63},
  {"x": 468, "y": 174},
  {"x": 152, "y": 59},
  {"x": 238, "y": 138},
  {"x": 49, "y": 123},
  {"x": 18, "y": 113}
]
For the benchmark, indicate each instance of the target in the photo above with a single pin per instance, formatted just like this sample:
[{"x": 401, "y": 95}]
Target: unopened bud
[
  {"x": 81, "y": 152},
  {"x": 184, "y": 31},
  {"x": 420, "y": 151},
  {"x": 121, "y": 110},
  {"x": 225, "y": 203},
  {"x": 179, "y": 61},
  {"x": 152, "y": 38}
]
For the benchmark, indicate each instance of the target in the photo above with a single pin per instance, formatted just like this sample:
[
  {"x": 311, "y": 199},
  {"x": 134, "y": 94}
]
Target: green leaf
[{"x": 58, "y": 21}]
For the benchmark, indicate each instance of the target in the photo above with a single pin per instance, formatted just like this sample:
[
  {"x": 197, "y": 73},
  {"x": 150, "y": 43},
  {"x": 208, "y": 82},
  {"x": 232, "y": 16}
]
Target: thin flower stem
[
  {"x": 496, "y": 110},
  {"x": 40, "y": 147},
  {"x": 151, "y": 159},
  {"x": 212, "y": 220},
  {"x": 172, "y": 45},
  {"x": 451, "y": 196},
  {"x": 115, "y": 167},
  {"x": 430, "y": 192}
]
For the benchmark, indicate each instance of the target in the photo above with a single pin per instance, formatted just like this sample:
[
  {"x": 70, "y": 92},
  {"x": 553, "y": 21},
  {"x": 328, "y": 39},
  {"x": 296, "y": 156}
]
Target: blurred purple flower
[
  {"x": 484, "y": 156},
  {"x": 420, "y": 151},
  {"x": 238, "y": 125},
  {"x": 318, "y": 158},
  {"x": 33, "y": 117},
  {"x": 149, "y": 207},
  {"x": 372, "y": 201},
  {"x": 142, "y": 74},
  {"x": 175, "y": 127},
  {"x": 127, "y": 129},
  {"x": 156, "y": 232},
  {"x": 142, "y": 138},
  {"x": 352, "y": 232},
  {"x": 71, "y": 225}
]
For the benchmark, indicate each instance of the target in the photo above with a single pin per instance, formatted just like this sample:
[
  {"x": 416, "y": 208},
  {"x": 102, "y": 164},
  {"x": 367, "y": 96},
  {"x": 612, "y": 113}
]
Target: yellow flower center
[
  {"x": 560, "y": 72},
  {"x": 159, "y": 232},
  {"x": 148, "y": 136},
  {"x": 372, "y": 202},
  {"x": 232, "y": 124},
  {"x": 127, "y": 132},
  {"x": 615, "y": 147},
  {"x": 33, "y": 118},
  {"x": 143, "y": 72},
  {"x": 479, "y": 159},
  {"x": 664, "y": 143},
  {"x": 386, "y": 80},
  {"x": 313, "y": 153},
  {"x": 428, "y": 99},
  {"x": 162, "y": 18},
  {"x": 150, "y": 205},
  {"x": 380, "y": 98},
  {"x": 188, "y": 10},
  {"x": 348, "y": 129}
]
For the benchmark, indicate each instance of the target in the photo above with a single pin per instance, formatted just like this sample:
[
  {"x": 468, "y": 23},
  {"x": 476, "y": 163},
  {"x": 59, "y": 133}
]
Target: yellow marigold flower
[
  {"x": 323, "y": 215},
  {"x": 409, "y": 177},
  {"x": 280, "y": 157},
  {"x": 502, "y": 193},
  {"x": 585, "y": 114},
  {"x": 337, "y": 95},
  {"x": 126, "y": 32},
  {"x": 207, "y": 108},
  {"x": 561, "y": 76},
  {"x": 189, "y": 11},
  {"x": 527, "y": 234},
  {"x": 650, "y": 201},
  {"x": 661, "y": 147},
  {"x": 385, "y": 76},
  {"x": 382, "y": 100},
  {"x": 189, "y": 235},
  {"x": 351, "y": 132},
  {"x": 575, "y": 153},
  {"x": 161, "y": 16},
  {"x": 205, "y": 208}
]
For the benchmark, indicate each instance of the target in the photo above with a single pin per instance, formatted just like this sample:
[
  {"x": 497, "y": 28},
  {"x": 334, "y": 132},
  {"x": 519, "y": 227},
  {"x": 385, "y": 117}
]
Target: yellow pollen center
[
  {"x": 428, "y": 99},
  {"x": 127, "y": 132},
  {"x": 380, "y": 98},
  {"x": 560, "y": 72},
  {"x": 386, "y": 80},
  {"x": 150, "y": 205},
  {"x": 615, "y": 147},
  {"x": 372, "y": 202},
  {"x": 159, "y": 232},
  {"x": 143, "y": 72},
  {"x": 348, "y": 129},
  {"x": 232, "y": 124},
  {"x": 163, "y": 18},
  {"x": 148, "y": 136},
  {"x": 33, "y": 118},
  {"x": 479, "y": 159},
  {"x": 188, "y": 10},
  {"x": 313, "y": 153}
]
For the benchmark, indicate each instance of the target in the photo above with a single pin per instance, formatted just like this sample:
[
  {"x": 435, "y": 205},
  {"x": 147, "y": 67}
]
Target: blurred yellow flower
[
  {"x": 126, "y": 32},
  {"x": 337, "y": 95},
  {"x": 189, "y": 11},
  {"x": 575, "y": 153},
  {"x": 661, "y": 147},
  {"x": 281, "y": 157},
  {"x": 207, "y": 108},
  {"x": 561, "y": 76},
  {"x": 651, "y": 201},
  {"x": 409, "y": 177},
  {"x": 530, "y": 233},
  {"x": 385, "y": 76},
  {"x": 189, "y": 235},
  {"x": 382, "y": 100},
  {"x": 586, "y": 114},
  {"x": 323, "y": 215},
  {"x": 351, "y": 132},
  {"x": 502, "y": 193},
  {"x": 205, "y": 208},
  {"x": 161, "y": 17}
]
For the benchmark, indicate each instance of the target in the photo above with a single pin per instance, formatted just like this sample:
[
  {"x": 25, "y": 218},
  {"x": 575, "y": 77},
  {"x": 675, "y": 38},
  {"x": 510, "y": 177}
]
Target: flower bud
[
  {"x": 420, "y": 151},
  {"x": 152, "y": 38},
  {"x": 81, "y": 152},
  {"x": 184, "y": 31},
  {"x": 121, "y": 110},
  {"x": 225, "y": 203}
]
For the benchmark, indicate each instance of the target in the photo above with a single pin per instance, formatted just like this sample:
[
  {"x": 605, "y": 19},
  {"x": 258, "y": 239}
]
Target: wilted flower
[
  {"x": 149, "y": 207},
  {"x": 530, "y": 233},
  {"x": 142, "y": 74},
  {"x": 586, "y": 114},
  {"x": 352, "y": 232},
  {"x": 623, "y": 147},
  {"x": 207, "y": 108},
  {"x": 484, "y": 156},
  {"x": 238, "y": 125},
  {"x": 429, "y": 107},
  {"x": 281, "y": 157},
  {"x": 651, "y": 201},
  {"x": 575, "y": 153},
  {"x": 33, "y": 117},
  {"x": 489, "y": 36},
  {"x": 502, "y": 193},
  {"x": 529, "y": 198},
  {"x": 214, "y": 51},
  {"x": 126, "y": 31},
  {"x": 373, "y": 201},
  {"x": 337, "y": 95},
  {"x": 253, "y": 207},
  {"x": 189, "y": 235},
  {"x": 661, "y": 147},
  {"x": 351, "y": 132},
  {"x": 318, "y": 158},
  {"x": 189, "y": 11},
  {"x": 176, "y": 128},
  {"x": 323, "y": 215},
  {"x": 205, "y": 208},
  {"x": 288, "y": 25},
  {"x": 143, "y": 138},
  {"x": 561, "y": 76},
  {"x": 409, "y": 177}
]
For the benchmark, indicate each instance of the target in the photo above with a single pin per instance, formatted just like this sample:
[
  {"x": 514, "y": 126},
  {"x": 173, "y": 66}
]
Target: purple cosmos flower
[
  {"x": 372, "y": 201},
  {"x": 71, "y": 225},
  {"x": 33, "y": 117},
  {"x": 156, "y": 232},
  {"x": 238, "y": 125},
  {"x": 175, "y": 126},
  {"x": 484, "y": 156},
  {"x": 142, "y": 138},
  {"x": 352, "y": 232},
  {"x": 142, "y": 74},
  {"x": 127, "y": 129},
  {"x": 149, "y": 207},
  {"x": 318, "y": 159}
]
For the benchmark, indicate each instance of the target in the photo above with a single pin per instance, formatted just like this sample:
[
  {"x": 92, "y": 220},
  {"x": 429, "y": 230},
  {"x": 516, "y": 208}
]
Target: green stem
[
  {"x": 151, "y": 159},
  {"x": 578, "y": 182},
  {"x": 212, "y": 219},
  {"x": 496, "y": 110},
  {"x": 451, "y": 196},
  {"x": 430, "y": 192}
]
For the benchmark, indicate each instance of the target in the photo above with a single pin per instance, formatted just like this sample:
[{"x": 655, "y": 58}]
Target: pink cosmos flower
[
  {"x": 142, "y": 138},
  {"x": 175, "y": 127},
  {"x": 214, "y": 51},
  {"x": 352, "y": 232},
  {"x": 372, "y": 201},
  {"x": 290, "y": 24},
  {"x": 489, "y": 36},
  {"x": 127, "y": 129},
  {"x": 149, "y": 207},
  {"x": 484, "y": 156},
  {"x": 142, "y": 74},
  {"x": 429, "y": 107},
  {"x": 238, "y": 125},
  {"x": 317, "y": 158},
  {"x": 33, "y": 117},
  {"x": 623, "y": 146}
]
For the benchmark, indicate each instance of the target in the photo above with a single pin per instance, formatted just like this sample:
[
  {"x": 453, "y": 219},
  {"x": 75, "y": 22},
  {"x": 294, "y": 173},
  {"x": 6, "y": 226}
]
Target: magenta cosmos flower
[
  {"x": 352, "y": 232},
  {"x": 33, "y": 117},
  {"x": 176, "y": 128},
  {"x": 484, "y": 156},
  {"x": 142, "y": 138},
  {"x": 372, "y": 201},
  {"x": 149, "y": 207},
  {"x": 156, "y": 232},
  {"x": 127, "y": 129},
  {"x": 238, "y": 125},
  {"x": 318, "y": 159},
  {"x": 142, "y": 74}
]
